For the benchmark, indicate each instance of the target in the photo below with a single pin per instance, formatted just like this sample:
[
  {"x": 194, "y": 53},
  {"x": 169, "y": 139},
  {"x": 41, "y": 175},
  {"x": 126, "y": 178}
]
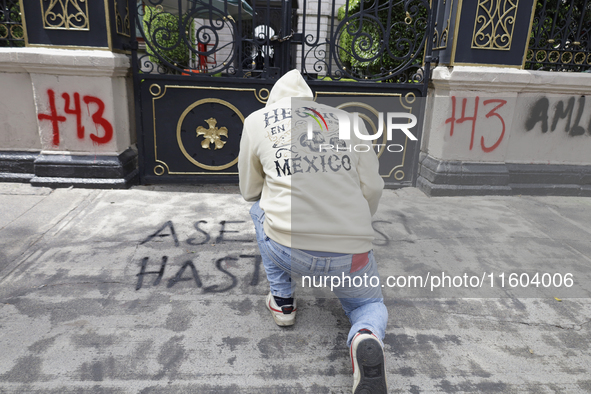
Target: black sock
[{"x": 283, "y": 301}]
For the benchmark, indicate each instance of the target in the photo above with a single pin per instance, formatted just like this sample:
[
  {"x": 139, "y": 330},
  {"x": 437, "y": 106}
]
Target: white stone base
[
  {"x": 513, "y": 118},
  {"x": 65, "y": 102}
]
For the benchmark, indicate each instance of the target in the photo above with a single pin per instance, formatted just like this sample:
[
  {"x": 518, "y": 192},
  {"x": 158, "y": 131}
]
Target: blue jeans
[{"x": 363, "y": 305}]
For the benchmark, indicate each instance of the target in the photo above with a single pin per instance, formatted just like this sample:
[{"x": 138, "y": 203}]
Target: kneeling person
[{"x": 312, "y": 215}]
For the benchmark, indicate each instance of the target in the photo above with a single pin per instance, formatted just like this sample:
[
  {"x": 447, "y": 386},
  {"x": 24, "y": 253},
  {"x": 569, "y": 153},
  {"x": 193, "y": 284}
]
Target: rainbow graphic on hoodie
[{"x": 315, "y": 118}]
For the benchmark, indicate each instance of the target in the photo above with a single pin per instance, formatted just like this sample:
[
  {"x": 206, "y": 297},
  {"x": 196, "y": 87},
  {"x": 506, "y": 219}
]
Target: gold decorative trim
[
  {"x": 365, "y": 94},
  {"x": 195, "y": 173},
  {"x": 400, "y": 97},
  {"x": 24, "y": 23},
  {"x": 259, "y": 95},
  {"x": 68, "y": 47},
  {"x": 489, "y": 65},
  {"x": 454, "y": 45},
  {"x": 108, "y": 29},
  {"x": 159, "y": 170},
  {"x": 393, "y": 168},
  {"x": 582, "y": 60},
  {"x": 443, "y": 38},
  {"x": 180, "y": 142},
  {"x": 10, "y": 27},
  {"x": 212, "y": 135},
  {"x": 554, "y": 56},
  {"x": 155, "y": 85},
  {"x": 201, "y": 173},
  {"x": 408, "y": 100},
  {"x": 445, "y": 33},
  {"x": 365, "y": 117},
  {"x": 531, "y": 26},
  {"x": 357, "y": 94},
  {"x": 494, "y": 24},
  {"x": 191, "y": 173},
  {"x": 254, "y": 91},
  {"x": 109, "y": 46},
  {"x": 435, "y": 37},
  {"x": 14, "y": 35},
  {"x": 65, "y": 14},
  {"x": 397, "y": 175},
  {"x": 122, "y": 25},
  {"x": 408, "y": 19}
]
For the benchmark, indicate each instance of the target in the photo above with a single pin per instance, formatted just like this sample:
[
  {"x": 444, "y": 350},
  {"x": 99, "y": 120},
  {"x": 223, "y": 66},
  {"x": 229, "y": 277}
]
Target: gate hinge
[{"x": 431, "y": 59}]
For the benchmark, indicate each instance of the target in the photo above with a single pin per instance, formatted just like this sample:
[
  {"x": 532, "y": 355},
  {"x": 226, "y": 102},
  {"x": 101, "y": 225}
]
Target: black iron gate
[{"x": 202, "y": 66}]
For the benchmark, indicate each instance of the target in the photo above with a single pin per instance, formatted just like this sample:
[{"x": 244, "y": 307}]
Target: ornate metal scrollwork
[
  {"x": 440, "y": 40},
  {"x": 65, "y": 14},
  {"x": 378, "y": 41},
  {"x": 560, "y": 39},
  {"x": 11, "y": 28},
  {"x": 493, "y": 27},
  {"x": 373, "y": 40},
  {"x": 184, "y": 41},
  {"x": 122, "y": 24}
]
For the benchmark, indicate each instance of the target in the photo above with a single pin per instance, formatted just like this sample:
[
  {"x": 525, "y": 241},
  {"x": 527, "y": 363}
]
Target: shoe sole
[{"x": 370, "y": 362}]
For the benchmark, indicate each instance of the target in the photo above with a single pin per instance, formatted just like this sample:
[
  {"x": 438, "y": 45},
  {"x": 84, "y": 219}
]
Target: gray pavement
[{"x": 78, "y": 316}]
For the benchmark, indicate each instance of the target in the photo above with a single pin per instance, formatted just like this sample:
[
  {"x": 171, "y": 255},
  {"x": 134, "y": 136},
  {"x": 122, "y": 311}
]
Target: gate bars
[
  {"x": 371, "y": 40},
  {"x": 561, "y": 36}
]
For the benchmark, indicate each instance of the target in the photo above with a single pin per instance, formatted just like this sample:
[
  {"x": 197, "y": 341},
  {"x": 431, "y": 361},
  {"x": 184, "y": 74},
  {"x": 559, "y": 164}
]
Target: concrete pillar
[
  {"x": 67, "y": 96},
  {"x": 506, "y": 131},
  {"x": 492, "y": 127},
  {"x": 75, "y": 107},
  {"x": 19, "y": 138}
]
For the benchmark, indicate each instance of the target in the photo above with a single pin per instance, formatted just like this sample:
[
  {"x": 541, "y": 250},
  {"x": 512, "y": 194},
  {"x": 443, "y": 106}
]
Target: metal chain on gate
[{"x": 276, "y": 37}]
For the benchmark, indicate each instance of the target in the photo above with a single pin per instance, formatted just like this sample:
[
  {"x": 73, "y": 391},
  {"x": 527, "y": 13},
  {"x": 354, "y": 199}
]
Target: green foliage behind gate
[
  {"x": 372, "y": 41},
  {"x": 11, "y": 29},
  {"x": 163, "y": 36}
]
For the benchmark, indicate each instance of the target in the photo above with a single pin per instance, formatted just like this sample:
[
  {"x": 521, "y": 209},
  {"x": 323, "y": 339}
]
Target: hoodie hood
[{"x": 292, "y": 84}]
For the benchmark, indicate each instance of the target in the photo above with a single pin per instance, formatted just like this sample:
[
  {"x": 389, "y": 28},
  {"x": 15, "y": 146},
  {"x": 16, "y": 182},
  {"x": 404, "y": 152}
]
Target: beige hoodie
[{"x": 314, "y": 197}]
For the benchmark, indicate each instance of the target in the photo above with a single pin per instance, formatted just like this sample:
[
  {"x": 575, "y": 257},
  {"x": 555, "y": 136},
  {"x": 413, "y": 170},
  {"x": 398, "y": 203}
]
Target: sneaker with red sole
[
  {"x": 283, "y": 315},
  {"x": 369, "y": 364}
]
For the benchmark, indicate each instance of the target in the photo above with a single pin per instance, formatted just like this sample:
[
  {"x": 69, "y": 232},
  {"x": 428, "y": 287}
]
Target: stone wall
[
  {"x": 67, "y": 117},
  {"x": 506, "y": 131}
]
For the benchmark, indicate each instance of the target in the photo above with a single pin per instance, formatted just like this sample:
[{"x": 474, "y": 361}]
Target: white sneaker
[
  {"x": 283, "y": 316},
  {"x": 369, "y": 364}
]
